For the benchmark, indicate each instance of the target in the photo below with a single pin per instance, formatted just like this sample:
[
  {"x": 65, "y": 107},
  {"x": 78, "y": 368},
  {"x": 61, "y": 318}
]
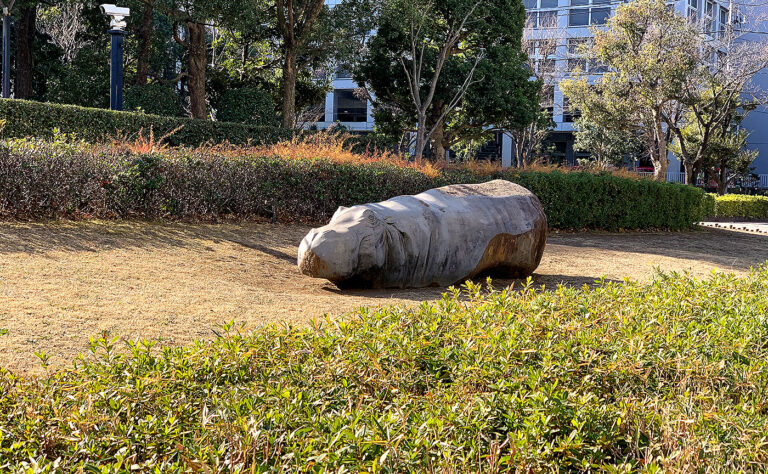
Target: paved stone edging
[{"x": 754, "y": 227}]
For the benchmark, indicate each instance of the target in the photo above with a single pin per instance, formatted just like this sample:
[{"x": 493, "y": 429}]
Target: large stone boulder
[{"x": 436, "y": 238}]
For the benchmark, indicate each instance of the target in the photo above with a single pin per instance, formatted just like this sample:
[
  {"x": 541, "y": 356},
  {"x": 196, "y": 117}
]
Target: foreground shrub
[
  {"x": 741, "y": 206},
  {"x": 288, "y": 182},
  {"x": 668, "y": 376},
  {"x": 42, "y": 120}
]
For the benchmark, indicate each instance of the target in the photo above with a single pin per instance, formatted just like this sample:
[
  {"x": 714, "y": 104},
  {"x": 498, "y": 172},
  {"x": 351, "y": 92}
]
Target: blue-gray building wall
[{"x": 757, "y": 121}]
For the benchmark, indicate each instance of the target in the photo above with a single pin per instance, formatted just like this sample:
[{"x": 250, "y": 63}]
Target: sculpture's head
[{"x": 351, "y": 246}]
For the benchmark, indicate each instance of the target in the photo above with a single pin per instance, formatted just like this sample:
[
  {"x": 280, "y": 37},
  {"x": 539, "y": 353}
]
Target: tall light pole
[
  {"x": 117, "y": 31},
  {"x": 6, "y": 48}
]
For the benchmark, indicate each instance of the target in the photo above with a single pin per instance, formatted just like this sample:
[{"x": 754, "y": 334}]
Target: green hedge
[
  {"x": 741, "y": 206},
  {"x": 662, "y": 377},
  {"x": 39, "y": 120},
  {"x": 39, "y": 179}
]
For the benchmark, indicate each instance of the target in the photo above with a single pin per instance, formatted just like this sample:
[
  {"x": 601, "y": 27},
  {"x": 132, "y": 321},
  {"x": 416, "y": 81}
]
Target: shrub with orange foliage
[{"x": 299, "y": 180}]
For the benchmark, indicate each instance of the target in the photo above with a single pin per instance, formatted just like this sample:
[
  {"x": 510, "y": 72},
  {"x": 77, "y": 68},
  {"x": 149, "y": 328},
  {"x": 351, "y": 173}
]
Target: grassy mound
[{"x": 669, "y": 375}]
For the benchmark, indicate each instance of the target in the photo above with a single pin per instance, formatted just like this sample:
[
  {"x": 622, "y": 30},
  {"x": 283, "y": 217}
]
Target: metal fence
[
  {"x": 672, "y": 176},
  {"x": 679, "y": 177}
]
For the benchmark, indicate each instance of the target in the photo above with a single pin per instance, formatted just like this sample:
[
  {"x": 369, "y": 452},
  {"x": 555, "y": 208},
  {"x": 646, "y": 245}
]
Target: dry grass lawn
[{"x": 62, "y": 282}]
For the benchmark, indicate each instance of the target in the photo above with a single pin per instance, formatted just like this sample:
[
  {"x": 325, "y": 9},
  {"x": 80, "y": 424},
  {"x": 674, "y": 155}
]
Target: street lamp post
[
  {"x": 117, "y": 32},
  {"x": 6, "y": 92}
]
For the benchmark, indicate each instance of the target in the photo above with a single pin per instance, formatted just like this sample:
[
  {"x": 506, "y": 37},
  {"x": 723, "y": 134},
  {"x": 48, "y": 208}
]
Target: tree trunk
[
  {"x": 197, "y": 64},
  {"x": 690, "y": 174},
  {"x": 661, "y": 162},
  {"x": 24, "y": 55},
  {"x": 438, "y": 144},
  {"x": 289, "y": 87},
  {"x": 722, "y": 182},
  {"x": 145, "y": 41},
  {"x": 421, "y": 139}
]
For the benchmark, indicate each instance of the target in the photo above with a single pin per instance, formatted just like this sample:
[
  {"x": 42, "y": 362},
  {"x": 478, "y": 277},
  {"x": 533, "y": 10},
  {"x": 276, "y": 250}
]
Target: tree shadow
[
  {"x": 94, "y": 236},
  {"x": 727, "y": 249}
]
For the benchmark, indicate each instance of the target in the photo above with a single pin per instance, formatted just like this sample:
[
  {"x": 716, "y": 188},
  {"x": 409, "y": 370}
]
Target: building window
[
  {"x": 570, "y": 114},
  {"x": 543, "y": 55},
  {"x": 548, "y": 100},
  {"x": 536, "y": 4},
  {"x": 600, "y": 16},
  {"x": 541, "y": 19},
  {"x": 596, "y": 15},
  {"x": 722, "y": 27},
  {"x": 348, "y": 108},
  {"x": 693, "y": 9},
  {"x": 578, "y": 17},
  {"x": 575, "y": 58}
]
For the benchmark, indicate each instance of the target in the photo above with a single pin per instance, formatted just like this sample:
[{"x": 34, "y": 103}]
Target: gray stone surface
[
  {"x": 436, "y": 238},
  {"x": 754, "y": 227}
]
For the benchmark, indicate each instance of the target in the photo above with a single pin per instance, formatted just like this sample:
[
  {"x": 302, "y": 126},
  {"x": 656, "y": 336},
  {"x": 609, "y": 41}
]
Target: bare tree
[
  {"x": 726, "y": 65},
  {"x": 413, "y": 63},
  {"x": 62, "y": 23}
]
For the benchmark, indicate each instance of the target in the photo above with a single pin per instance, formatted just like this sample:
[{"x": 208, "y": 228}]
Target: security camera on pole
[{"x": 117, "y": 30}]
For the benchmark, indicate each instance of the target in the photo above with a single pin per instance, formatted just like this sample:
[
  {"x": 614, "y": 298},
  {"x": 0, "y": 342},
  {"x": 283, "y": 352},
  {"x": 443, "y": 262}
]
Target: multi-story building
[{"x": 556, "y": 30}]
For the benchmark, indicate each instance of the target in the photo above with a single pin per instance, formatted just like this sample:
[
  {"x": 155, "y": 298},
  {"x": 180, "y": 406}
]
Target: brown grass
[
  {"x": 62, "y": 282},
  {"x": 329, "y": 145}
]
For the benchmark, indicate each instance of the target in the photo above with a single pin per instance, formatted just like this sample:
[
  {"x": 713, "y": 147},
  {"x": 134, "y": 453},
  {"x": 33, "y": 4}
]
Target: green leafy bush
[
  {"x": 155, "y": 99},
  {"x": 660, "y": 377},
  {"x": 49, "y": 180},
  {"x": 41, "y": 120},
  {"x": 741, "y": 206},
  {"x": 247, "y": 105}
]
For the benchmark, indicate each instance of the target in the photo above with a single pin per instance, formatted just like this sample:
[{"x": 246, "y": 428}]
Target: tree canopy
[{"x": 451, "y": 70}]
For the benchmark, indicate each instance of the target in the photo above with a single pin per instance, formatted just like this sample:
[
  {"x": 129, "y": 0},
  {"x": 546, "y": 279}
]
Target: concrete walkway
[{"x": 754, "y": 227}]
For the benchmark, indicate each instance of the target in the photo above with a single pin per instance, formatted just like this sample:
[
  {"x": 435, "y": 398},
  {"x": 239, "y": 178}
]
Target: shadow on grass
[
  {"x": 726, "y": 249},
  {"x": 431, "y": 293},
  {"x": 94, "y": 236}
]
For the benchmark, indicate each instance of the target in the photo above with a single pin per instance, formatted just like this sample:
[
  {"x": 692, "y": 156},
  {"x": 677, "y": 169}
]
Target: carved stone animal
[{"x": 437, "y": 238}]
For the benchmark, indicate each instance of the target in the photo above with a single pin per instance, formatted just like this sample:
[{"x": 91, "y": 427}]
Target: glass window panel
[
  {"x": 600, "y": 15},
  {"x": 577, "y": 3},
  {"x": 548, "y": 3},
  {"x": 347, "y": 107},
  {"x": 531, "y": 20},
  {"x": 579, "y": 63},
  {"x": 548, "y": 19},
  {"x": 578, "y": 17},
  {"x": 530, "y": 4}
]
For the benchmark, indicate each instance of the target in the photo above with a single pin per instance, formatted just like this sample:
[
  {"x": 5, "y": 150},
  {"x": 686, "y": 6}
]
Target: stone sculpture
[{"x": 437, "y": 238}]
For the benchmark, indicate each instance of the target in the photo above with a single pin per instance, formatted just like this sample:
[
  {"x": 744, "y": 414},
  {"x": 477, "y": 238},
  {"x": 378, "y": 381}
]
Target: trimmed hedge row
[
  {"x": 38, "y": 119},
  {"x": 741, "y": 206},
  {"x": 49, "y": 180}
]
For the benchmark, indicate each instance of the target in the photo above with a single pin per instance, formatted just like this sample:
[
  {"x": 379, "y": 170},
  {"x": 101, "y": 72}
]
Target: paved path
[{"x": 755, "y": 227}]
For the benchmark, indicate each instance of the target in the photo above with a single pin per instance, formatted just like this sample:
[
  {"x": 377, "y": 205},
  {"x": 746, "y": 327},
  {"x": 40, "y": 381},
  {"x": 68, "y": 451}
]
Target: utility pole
[
  {"x": 117, "y": 32},
  {"x": 6, "y": 92}
]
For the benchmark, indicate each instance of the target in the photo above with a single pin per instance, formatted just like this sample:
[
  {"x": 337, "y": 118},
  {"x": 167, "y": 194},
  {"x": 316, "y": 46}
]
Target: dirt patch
[{"x": 62, "y": 282}]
